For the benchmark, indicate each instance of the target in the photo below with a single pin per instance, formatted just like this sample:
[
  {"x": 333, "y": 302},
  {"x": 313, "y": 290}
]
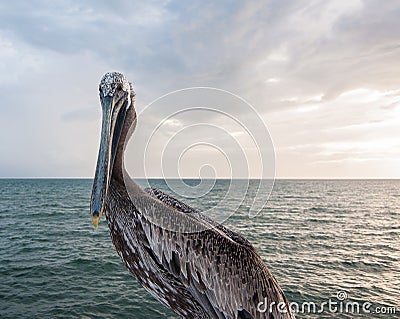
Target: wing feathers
[{"x": 220, "y": 268}]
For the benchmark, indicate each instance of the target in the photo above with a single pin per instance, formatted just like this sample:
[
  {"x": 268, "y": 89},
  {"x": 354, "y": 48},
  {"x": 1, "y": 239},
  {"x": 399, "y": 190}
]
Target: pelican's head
[{"x": 115, "y": 98}]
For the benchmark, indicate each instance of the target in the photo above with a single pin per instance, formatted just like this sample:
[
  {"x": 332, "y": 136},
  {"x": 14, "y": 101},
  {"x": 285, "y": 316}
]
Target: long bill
[{"x": 110, "y": 132}]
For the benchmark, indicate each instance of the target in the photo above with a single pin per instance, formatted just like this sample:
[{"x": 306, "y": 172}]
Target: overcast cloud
[{"x": 324, "y": 76}]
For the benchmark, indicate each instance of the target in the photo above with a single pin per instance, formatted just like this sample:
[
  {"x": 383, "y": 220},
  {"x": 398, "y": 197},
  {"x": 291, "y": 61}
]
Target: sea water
[{"x": 334, "y": 241}]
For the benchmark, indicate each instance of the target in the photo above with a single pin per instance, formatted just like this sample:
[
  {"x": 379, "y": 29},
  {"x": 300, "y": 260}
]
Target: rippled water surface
[{"x": 317, "y": 237}]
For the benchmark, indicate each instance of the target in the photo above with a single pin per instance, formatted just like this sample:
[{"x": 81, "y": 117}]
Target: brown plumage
[{"x": 208, "y": 272}]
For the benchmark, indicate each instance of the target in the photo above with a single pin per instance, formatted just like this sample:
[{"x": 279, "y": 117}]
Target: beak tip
[
  {"x": 95, "y": 221},
  {"x": 96, "y": 214}
]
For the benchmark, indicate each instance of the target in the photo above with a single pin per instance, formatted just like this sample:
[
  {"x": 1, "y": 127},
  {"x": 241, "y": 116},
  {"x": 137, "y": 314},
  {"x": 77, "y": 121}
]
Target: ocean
[{"x": 328, "y": 242}]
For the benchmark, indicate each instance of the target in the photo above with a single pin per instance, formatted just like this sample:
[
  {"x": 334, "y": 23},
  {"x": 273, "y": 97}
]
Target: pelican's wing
[
  {"x": 184, "y": 208},
  {"x": 219, "y": 268}
]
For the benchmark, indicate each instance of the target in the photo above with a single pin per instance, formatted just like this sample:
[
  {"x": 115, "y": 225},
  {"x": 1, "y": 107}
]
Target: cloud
[{"x": 319, "y": 72}]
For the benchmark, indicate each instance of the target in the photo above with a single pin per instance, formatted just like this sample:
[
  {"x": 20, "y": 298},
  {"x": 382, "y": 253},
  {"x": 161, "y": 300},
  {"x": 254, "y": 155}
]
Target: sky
[{"x": 323, "y": 77}]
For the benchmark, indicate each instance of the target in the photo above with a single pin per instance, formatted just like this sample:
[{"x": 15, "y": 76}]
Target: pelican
[{"x": 208, "y": 272}]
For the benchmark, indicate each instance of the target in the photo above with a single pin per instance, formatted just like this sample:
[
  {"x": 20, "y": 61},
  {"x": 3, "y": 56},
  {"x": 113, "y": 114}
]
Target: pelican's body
[{"x": 208, "y": 272}]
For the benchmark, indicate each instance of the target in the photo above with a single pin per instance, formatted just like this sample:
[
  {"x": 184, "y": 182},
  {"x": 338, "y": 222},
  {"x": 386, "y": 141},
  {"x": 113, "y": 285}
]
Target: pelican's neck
[{"x": 127, "y": 130}]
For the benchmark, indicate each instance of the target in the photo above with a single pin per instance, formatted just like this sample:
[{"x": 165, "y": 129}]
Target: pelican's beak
[{"x": 114, "y": 111}]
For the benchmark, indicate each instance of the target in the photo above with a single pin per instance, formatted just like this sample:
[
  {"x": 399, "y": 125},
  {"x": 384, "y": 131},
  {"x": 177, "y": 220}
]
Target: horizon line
[{"x": 220, "y": 178}]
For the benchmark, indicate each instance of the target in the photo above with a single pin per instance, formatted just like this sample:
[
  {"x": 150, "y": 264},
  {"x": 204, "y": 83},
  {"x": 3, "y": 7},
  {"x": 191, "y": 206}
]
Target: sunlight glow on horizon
[{"x": 323, "y": 76}]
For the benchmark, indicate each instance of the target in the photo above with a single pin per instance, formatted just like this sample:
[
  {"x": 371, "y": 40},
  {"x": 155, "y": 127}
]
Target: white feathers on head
[{"x": 110, "y": 82}]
